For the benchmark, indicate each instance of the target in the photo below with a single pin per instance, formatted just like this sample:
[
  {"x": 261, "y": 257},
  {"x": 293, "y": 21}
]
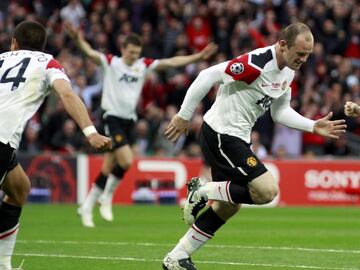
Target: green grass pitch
[{"x": 51, "y": 238}]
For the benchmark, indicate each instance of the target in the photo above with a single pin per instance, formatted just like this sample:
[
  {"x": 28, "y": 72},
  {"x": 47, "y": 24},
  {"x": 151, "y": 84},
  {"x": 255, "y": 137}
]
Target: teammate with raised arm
[
  {"x": 249, "y": 85},
  {"x": 27, "y": 75},
  {"x": 123, "y": 82}
]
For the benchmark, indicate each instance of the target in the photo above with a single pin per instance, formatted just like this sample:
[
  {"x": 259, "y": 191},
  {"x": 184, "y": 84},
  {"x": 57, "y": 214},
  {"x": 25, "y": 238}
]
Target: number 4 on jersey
[{"x": 21, "y": 66}]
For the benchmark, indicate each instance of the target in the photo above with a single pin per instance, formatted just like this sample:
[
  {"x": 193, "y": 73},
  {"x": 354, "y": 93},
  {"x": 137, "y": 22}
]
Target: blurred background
[{"x": 179, "y": 27}]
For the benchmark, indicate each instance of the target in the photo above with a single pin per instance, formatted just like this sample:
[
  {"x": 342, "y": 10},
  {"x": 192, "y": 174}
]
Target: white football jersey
[
  {"x": 123, "y": 85},
  {"x": 250, "y": 84},
  {"x": 26, "y": 78}
]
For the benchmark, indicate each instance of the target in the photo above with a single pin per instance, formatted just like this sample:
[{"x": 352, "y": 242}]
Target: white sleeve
[
  {"x": 282, "y": 113},
  {"x": 104, "y": 60},
  {"x": 200, "y": 87},
  {"x": 54, "y": 71}
]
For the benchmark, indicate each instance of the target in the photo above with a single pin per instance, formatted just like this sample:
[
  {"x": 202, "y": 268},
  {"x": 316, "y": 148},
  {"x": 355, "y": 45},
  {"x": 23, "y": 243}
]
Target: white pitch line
[
  {"x": 351, "y": 251},
  {"x": 200, "y": 262}
]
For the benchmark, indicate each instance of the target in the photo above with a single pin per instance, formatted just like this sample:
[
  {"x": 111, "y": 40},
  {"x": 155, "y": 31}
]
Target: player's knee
[
  {"x": 268, "y": 194},
  {"x": 126, "y": 164},
  {"x": 263, "y": 189}
]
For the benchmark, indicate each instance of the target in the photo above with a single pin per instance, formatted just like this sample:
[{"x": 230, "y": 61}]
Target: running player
[
  {"x": 249, "y": 85},
  {"x": 27, "y": 75},
  {"x": 123, "y": 81}
]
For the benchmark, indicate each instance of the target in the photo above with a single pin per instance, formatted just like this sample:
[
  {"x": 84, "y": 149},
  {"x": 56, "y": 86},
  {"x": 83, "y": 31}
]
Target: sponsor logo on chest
[
  {"x": 128, "y": 78},
  {"x": 275, "y": 85}
]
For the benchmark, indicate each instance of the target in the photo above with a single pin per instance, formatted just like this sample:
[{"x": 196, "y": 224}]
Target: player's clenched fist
[
  {"x": 351, "y": 109},
  {"x": 99, "y": 142}
]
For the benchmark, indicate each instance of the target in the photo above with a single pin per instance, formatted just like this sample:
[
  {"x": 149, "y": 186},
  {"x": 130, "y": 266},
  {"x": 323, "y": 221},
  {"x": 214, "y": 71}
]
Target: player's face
[
  {"x": 130, "y": 53},
  {"x": 298, "y": 54}
]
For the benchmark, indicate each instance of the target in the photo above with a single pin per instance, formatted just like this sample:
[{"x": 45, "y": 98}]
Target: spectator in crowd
[
  {"x": 256, "y": 146},
  {"x": 141, "y": 137},
  {"x": 67, "y": 139},
  {"x": 73, "y": 12},
  {"x": 30, "y": 143},
  {"x": 287, "y": 142}
]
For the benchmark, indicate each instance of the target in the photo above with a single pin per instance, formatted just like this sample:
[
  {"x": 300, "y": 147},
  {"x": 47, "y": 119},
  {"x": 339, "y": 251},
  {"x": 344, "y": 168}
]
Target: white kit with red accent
[
  {"x": 249, "y": 85},
  {"x": 123, "y": 84},
  {"x": 26, "y": 78}
]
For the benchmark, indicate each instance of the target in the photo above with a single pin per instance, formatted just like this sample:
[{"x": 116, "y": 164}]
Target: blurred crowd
[{"x": 179, "y": 27}]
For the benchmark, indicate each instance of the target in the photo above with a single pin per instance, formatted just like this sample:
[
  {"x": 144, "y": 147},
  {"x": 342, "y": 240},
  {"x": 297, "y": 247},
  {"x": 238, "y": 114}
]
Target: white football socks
[
  {"x": 217, "y": 191},
  {"x": 91, "y": 199},
  {"x": 111, "y": 184},
  {"x": 7, "y": 244},
  {"x": 193, "y": 239}
]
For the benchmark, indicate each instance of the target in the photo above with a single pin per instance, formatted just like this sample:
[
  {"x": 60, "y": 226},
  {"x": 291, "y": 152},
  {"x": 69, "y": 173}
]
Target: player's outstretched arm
[
  {"x": 77, "y": 110},
  {"x": 351, "y": 109},
  {"x": 81, "y": 43},
  {"x": 179, "y": 61},
  {"x": 327, "y": 128}
]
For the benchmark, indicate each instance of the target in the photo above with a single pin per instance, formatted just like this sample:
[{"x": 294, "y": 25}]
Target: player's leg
[
  {"x": 199, "y": 234},
  {"x": 120, "y": 131},
  {"x": 261, "y": 190},
  {"x": 16, "y": 186},
  {"x": 116, "y": 128},
  {"x": 229, "y": 158},
  {"x": 233, "y": 166},
  {"x": 124, "y": 158},
  {"x": 86, "y": 209}
]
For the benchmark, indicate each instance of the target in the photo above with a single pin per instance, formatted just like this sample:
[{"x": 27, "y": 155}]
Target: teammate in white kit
[
  {"x": 123, "y": 81},
  {"x": 249, "y": 85},
  {"x": 27, "y": 75}
]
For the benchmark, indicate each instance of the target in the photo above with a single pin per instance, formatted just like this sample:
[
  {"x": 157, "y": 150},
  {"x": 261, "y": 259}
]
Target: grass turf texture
[{"x": 51, "y": 237}]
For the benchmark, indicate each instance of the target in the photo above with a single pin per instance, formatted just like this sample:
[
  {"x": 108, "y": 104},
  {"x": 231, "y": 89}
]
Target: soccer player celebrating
[
  {"x": 123, "y": 81},
  {"x": 27, "y": 75},
  {"x": 249, "y": 85}
]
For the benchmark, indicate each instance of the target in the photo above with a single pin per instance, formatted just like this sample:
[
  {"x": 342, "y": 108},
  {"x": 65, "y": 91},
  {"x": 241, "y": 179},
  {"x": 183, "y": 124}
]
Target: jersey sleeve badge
[
  {"x": 237, "y": 68},
  {"x": 240, "y": 70}
]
